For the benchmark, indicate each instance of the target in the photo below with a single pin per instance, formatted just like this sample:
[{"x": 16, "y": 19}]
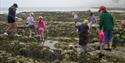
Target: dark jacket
[
  {"x": 12, "y": 12},
  {"x": 83, "y": 29}
]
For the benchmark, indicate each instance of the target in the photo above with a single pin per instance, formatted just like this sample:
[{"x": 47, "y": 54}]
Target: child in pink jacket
[
  {"x": 41, "y": 25},
  {"x": 101, "y": 39}
]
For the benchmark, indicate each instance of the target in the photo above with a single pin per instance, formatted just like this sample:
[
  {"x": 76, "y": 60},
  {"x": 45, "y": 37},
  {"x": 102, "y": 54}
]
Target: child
[
  {"x": 83, "y": 35},
  {"x": 92, "y": 20},
  {"x": 75, "y": 17},
  {"x": 30, "y": 24},
  {"x": 101, "y": 39},
  {"x": 123, "y": 24},
  {"x": 41, "y": 25}
]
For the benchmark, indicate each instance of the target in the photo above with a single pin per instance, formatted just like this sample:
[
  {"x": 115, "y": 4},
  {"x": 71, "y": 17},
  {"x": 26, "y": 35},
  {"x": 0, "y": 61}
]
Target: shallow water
[{"x": 50, "y": 44}]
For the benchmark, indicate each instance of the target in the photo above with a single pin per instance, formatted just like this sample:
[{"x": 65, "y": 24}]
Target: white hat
[{"x": 40, "y": 17}]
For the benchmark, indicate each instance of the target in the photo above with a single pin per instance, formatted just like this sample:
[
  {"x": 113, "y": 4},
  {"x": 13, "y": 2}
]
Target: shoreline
[
  {"x": 113, "y": 11},
  {"x": 4, "y": 10}
]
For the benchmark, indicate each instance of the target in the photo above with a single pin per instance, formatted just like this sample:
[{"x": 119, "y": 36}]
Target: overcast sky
[{"x": 56, "y": 3}]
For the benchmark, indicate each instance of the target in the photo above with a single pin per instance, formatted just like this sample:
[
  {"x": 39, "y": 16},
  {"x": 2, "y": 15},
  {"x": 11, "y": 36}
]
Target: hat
[
  {"x": 102, "y": 8},
  {"x": 15, "y": 5},
  {"x": 85, "y": 21},
  {"x": 40, "y": 17},
  {"x": 31, "y": 13}
]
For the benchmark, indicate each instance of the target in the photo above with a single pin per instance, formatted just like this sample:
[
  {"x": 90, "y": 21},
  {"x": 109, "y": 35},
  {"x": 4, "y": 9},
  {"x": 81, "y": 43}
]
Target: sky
[{"x": 59, "y": 3}]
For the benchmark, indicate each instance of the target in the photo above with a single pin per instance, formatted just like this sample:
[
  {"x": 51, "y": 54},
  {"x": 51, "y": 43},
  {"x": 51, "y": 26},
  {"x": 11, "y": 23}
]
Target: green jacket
[{"x": 106, "y": 21}]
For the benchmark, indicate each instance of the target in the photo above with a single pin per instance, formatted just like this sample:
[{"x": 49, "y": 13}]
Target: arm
[
  {"x": 78, "y": 28},
  {"x": 112, "y": 21},
  {"x": 27, "y": 21},
  {"x": 100, "y": 22},
  {"x": 33, "y": 20}
]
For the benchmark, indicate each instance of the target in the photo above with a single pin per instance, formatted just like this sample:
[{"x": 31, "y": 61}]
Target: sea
[{"x": 4, "y": 10}]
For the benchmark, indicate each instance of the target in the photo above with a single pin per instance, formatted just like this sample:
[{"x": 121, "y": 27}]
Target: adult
[
  {"x": 12, "y": 27},
  {"x": 106, "y": 23}
]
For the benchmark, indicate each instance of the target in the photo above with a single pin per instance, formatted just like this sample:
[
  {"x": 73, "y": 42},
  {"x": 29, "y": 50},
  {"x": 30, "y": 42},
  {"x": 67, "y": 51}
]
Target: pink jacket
[
  {"x": 41, "y": 24},
  {"x": 101, "y": 37}
]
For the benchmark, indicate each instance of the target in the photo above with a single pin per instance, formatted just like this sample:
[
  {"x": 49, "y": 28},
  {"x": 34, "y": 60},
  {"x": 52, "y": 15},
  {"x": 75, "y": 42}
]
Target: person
[
  {"x": 122, "y": 24},
  {"x": 92, "y": 20},
  {"x": 41, "y": 25},
  {"x": 30, "y": 24},
  {"x": 83, "y": 36},
  {"x": 75, "y": 17},
  {"x": 106, "y": 23},
  {"x": 11, "y": 26},
  {"x": 101, "y": 39}
]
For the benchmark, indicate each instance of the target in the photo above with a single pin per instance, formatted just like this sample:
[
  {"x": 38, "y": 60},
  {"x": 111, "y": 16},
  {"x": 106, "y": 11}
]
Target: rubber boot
[{"x": 110, "y": 45}]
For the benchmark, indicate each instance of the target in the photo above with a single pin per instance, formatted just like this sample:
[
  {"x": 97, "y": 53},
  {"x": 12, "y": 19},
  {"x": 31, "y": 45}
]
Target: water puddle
[{"x": 51, "y": 44}]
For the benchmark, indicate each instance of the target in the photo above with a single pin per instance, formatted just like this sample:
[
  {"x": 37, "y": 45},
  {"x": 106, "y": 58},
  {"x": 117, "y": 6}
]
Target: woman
[{"x": 12, "y": 27}]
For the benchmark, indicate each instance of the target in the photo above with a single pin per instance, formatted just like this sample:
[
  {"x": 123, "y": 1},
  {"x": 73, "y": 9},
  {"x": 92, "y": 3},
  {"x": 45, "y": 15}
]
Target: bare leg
[
  {"x": 42, "y": 38},
  {"x": 14, "y": 27},
  {"x": 9, "y": 28},
  {"x": 110, "y": 45},
  {"x": 30, "y": 32}
]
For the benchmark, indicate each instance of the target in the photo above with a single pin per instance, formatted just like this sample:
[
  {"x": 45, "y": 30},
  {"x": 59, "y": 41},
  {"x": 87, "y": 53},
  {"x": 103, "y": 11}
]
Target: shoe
[
  {"x": 108, "y": 49},
  {"x": 5, "y": 34}
]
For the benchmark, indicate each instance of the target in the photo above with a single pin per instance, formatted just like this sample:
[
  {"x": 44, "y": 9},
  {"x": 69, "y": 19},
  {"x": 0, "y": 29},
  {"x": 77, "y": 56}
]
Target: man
[
  {"x": 106, "y": 23},
  {"x": 12, "y": 27}
]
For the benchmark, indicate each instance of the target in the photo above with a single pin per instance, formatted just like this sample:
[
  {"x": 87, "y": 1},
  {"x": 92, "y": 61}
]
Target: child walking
[
  {"x": 30, "y": 24},
  {"x": 101, "y": 39},
  {"x": 75, "y": 17},
  {"x": 92, "y": 20},
  {"x": 83, "y": 36},
  {"x": 41, "y": 25}
]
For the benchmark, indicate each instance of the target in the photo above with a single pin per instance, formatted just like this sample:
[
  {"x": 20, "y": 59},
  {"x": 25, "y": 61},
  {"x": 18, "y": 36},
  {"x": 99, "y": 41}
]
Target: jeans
[{"x": 108, "y": 36}]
